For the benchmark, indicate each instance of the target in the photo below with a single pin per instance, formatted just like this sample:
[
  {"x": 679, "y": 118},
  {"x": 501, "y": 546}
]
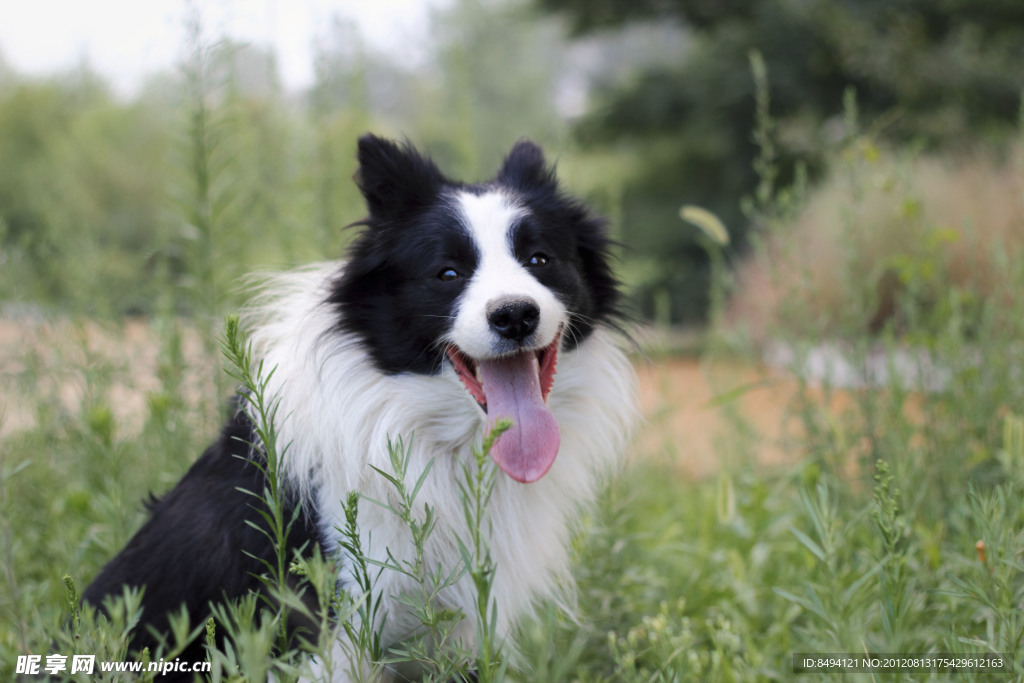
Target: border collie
[{"x": 458, "y": 304}]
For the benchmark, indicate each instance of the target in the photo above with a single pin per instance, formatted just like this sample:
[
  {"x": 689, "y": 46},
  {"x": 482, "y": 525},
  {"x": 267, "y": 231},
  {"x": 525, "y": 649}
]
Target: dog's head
[{"x": 495, "y": 278}]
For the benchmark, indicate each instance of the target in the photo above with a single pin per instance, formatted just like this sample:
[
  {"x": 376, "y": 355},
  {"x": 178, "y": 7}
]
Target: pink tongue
[{"x": 512, "y": 385}]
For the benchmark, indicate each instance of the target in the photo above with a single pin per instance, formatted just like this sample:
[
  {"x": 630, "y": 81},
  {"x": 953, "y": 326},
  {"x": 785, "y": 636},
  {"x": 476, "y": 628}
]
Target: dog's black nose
[{"x": 514, "y": 319}]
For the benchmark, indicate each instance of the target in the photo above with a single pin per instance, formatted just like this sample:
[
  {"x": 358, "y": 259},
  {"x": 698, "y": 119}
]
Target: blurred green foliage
[
  {"x": 162, "y": 201},
  {"x": 648, "y": 109},
  {"x": 80, "y": 181}
]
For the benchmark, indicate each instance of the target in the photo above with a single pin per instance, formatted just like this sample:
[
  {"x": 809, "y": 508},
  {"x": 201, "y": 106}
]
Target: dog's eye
[
  {"x": 448, "y": 275},
  {"x": 538, "y": 260}
]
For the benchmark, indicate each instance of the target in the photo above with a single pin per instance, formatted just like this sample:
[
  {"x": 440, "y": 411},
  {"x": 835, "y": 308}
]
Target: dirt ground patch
[
  {"x": 61, "y": 366},
  {"x": 695, "y": 413}
]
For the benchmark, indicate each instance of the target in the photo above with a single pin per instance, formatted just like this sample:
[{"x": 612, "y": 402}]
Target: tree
[{"x": 943, "y": 72}]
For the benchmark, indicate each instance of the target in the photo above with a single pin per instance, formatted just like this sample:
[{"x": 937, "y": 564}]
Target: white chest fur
[{"x": 337, "y": 413}]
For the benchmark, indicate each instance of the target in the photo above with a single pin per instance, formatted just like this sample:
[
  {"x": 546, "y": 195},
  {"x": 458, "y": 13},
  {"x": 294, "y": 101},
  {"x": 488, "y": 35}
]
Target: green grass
[{"x": 719, "y": 579}]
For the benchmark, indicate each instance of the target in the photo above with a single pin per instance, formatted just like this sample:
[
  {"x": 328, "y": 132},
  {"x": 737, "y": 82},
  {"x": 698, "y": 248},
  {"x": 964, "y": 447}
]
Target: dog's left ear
[{"x": 526, "y": 169}]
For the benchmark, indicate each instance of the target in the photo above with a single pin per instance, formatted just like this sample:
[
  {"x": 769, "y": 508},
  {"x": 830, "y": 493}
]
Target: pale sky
[{"x": 126, "y": 39}]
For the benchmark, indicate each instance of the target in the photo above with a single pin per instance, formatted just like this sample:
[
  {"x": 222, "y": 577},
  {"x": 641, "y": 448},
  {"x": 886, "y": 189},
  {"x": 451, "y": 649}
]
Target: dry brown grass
[{"x": 874, "y": 226}]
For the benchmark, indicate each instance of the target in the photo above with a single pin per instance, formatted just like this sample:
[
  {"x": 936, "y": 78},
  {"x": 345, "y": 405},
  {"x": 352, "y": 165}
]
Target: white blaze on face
[
  {"x": 512, "y": 382},
  {"x": 499, "y": 274}
]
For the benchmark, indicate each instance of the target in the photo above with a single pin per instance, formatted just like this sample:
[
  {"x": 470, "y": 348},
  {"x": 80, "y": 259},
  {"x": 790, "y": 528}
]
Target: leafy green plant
[
  {"x": 431, "y": 647},
  {"x": 366, "y": 633},
  {"x": 475, "y": 490}
]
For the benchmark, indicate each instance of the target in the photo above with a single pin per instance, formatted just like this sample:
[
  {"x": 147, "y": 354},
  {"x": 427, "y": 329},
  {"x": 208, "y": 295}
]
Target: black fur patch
[
  {"x": 390, "y": 295},
  {"x": 198, "y": 545}
]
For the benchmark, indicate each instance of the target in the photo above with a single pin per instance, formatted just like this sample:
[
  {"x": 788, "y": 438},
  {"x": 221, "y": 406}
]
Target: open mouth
[
  {"x": 469, "y": 370},
  {"x": 516, "y": 387}
]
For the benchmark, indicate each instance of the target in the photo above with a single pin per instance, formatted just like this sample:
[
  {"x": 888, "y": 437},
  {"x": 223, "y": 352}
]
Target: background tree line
[{"x": 647, "y": 104}]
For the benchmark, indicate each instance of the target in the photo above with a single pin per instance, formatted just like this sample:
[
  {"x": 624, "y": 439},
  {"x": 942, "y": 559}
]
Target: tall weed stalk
[
  {"x": 475, "y": 490},
  {"x": 262, "y": 407}
]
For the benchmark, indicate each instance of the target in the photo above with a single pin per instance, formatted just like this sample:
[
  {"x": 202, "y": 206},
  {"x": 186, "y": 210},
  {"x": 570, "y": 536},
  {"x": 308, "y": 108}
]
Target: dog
[{"x": 457, "y": 305}]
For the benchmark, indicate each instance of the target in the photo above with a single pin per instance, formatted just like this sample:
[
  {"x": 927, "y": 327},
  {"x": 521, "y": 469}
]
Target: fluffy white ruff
[{"x": 337, "y": 412}]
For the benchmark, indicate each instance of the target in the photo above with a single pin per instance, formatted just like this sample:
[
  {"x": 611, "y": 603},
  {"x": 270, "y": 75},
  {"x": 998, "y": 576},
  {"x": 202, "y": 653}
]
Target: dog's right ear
[
  {"x": 525, "y": 168},
  {"x": 395, "y": 179}
]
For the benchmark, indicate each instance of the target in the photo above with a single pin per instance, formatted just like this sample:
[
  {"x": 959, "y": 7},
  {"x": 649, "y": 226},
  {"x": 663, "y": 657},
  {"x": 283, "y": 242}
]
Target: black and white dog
[{"x": 458, "y": 304}]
